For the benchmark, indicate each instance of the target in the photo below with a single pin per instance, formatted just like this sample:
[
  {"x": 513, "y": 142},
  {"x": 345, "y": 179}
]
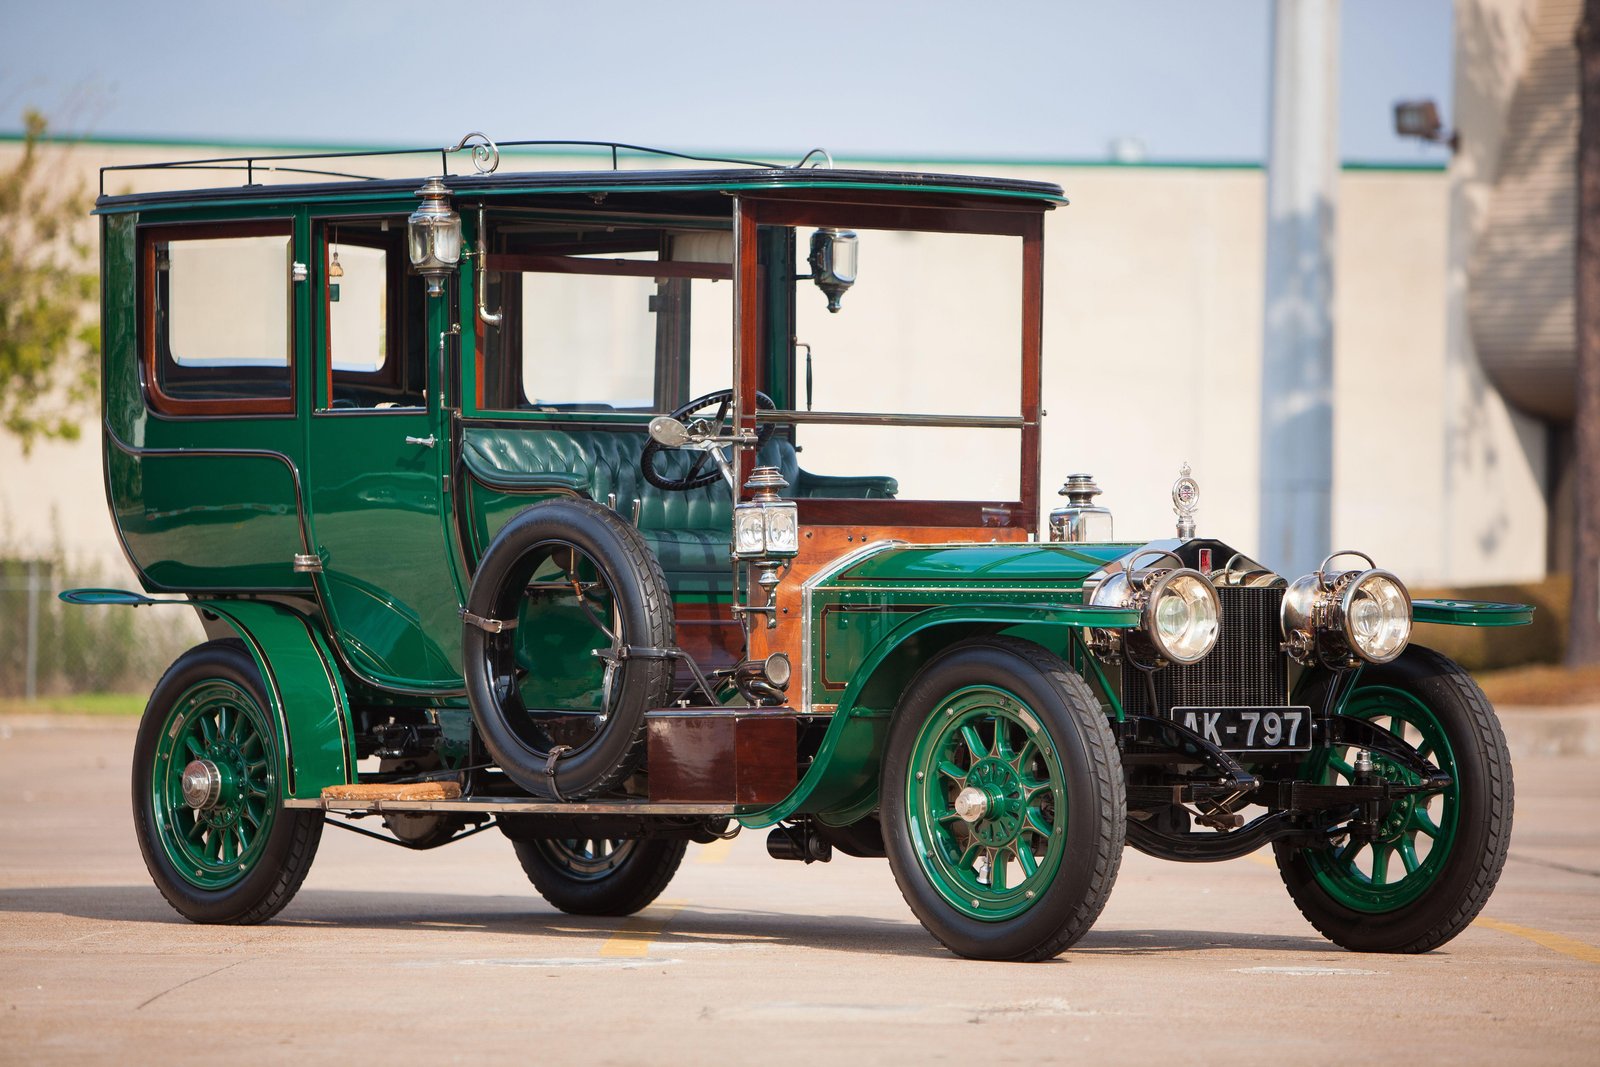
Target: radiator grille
[{"x": 1246, "y": 669}]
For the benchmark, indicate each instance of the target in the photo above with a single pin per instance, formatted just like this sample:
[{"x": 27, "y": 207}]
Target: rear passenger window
[{"x": 220, "y": 337}]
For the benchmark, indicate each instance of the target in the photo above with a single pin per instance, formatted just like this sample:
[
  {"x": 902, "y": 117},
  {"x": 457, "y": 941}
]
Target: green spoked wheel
[
  {"x": 216, "y": 752},
  {"x": 1434, "y": 858},
  {"x": 208, "y": 789},
  {"x": 1002, "y": 802},
  {"x": 600, "y": 876},
  {"x": 987, "y": 801}
]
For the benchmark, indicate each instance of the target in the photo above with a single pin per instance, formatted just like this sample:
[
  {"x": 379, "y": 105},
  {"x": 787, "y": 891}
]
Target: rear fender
[{"x": 301, "y": 676}]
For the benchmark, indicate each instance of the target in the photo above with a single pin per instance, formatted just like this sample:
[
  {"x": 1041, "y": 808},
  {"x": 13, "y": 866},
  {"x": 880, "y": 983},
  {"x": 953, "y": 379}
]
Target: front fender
[{"x": 842, "y": 783}]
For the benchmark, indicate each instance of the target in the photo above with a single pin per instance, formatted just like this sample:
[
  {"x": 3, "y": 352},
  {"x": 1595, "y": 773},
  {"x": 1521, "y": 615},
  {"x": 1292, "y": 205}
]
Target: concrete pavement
[{"x": 394, "y": 956}]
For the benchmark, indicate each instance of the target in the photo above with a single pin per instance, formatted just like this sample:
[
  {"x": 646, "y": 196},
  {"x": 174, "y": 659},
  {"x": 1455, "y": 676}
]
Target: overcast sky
[{"x": 922, "y": 79}]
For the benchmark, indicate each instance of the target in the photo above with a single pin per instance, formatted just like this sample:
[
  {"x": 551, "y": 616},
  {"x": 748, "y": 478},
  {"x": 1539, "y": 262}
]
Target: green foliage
[
  {"x": 49, "y": 337},
  {"x": 80, "y": 649}
]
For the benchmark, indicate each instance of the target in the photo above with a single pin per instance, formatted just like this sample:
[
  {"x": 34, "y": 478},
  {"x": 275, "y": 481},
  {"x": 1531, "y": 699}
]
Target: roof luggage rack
[{"x": 485, "y": 156}]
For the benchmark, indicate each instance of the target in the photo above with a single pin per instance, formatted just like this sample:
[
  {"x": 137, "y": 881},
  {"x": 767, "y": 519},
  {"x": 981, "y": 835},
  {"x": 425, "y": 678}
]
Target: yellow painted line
[
  {"x": 1578, "y": 950},
  {"x": 715, "y": 852},
  {"x": 633, "y": 938},
  {"x": 1263, "y": 858}
]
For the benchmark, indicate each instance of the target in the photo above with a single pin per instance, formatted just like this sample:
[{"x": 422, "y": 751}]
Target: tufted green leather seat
[{"x": 688, "y": 530}]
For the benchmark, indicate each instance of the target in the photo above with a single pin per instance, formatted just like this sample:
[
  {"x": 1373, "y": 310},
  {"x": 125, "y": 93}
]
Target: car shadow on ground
[{"x": 686, "y": 926}]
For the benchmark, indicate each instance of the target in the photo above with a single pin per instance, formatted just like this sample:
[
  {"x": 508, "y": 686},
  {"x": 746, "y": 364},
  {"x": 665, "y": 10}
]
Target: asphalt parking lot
[{"x": 393, "y": 956}]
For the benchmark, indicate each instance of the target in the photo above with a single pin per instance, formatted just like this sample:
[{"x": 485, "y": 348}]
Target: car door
[{"x": 377, "y": 459}]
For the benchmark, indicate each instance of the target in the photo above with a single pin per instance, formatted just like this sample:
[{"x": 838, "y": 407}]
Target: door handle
[{"x": 426, "y": 442}]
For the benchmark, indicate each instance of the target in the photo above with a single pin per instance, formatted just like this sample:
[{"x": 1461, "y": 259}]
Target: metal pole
[
  {"x": 31, "y": 686},
  {"x": 1297, "y": 342}
]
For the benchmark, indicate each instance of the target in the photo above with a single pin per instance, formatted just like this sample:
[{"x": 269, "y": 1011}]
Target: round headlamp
[
  {"x": 1342, "y": 618},
  {"x": 1375, "y": 615},
  {"x": 1182, "y": 616},
  {"x": 1179, "y": 614}
]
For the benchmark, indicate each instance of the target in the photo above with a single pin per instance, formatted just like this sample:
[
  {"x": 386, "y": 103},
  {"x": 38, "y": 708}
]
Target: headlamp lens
[
  {"x": 1183, "y": 617},
  {"x": 1377, "y": 616}
]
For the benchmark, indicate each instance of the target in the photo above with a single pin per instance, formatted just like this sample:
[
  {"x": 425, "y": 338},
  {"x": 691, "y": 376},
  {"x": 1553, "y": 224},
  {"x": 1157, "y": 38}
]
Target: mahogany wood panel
[
  {"x": 637, "y": 268},
  {"x": 991, "y": 515},
  {"x": 1032, "y": 363},
  {"x": 953, "y": 217},
  {"x": 722, "y": 755},
  {"x": 820, "y": 546}
]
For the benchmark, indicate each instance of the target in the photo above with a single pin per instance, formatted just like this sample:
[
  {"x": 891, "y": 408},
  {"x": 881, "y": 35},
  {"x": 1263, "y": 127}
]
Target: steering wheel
[{"x": 698, "y": 476}]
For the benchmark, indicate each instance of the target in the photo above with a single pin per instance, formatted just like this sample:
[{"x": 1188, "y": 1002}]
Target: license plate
[{"x": 1250, "y": 729}]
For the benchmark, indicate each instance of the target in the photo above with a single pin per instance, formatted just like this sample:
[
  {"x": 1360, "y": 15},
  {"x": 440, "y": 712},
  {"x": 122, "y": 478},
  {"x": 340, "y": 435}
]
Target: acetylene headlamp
[
  {"x": 1179, "y": 612},
  {"x": 1347, "y": 617}
]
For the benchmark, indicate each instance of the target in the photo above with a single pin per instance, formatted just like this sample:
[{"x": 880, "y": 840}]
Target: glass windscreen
[
  {"x": 932, "y": 327},
  {"x": 600, "y": 320}
]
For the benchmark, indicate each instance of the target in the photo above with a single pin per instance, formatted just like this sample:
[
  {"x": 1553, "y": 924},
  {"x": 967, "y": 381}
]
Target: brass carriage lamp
[
  {"x": 766, "y": 534},
  {"x": 434, "y": 236},
  {"x": 766, "y": 527}
]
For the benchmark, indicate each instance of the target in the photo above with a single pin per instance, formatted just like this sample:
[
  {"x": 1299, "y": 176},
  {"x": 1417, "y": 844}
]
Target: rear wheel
[
  {"x": 600, "y": 876},
  {"x": 1003, "y": 810},
  {"x": 1435, "y": 858},
  {"x": 208, "y": 787}
]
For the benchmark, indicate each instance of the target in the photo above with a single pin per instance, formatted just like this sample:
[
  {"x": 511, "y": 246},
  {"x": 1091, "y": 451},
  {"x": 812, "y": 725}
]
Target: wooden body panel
[
  {"x": 822, "y": 545},
  {"x": 722, "y": 755}
]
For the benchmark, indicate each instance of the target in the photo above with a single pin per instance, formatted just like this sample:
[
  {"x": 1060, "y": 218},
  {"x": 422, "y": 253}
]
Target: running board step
[
  {"x": 394, "y": 791},
  {"x": 509, "y": 805}
]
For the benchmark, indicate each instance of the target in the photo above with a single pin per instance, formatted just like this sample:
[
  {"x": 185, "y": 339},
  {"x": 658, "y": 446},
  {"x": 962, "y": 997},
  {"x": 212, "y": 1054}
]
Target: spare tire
[{"x": 559, "y": 693}]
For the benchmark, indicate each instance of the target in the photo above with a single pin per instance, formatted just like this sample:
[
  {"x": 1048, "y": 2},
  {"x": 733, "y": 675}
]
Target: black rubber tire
[
  {"x": 630, "y": 886},
  {"x": 1095, "y": 796},
  {"x": 292, "y": 841},
  {"x": 645, "y": 605},
  {"x": 1483, "y": 829}
]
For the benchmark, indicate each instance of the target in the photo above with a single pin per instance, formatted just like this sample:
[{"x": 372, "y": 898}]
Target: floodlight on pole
[{"x": 1420, "y": 119}]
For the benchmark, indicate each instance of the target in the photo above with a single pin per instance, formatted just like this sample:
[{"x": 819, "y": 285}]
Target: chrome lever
[{"x": 426, "y": 442}]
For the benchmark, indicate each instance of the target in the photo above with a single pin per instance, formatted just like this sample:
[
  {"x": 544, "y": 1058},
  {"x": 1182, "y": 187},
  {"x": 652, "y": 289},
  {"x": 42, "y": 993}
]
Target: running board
[{"x": 514, "y": 806}]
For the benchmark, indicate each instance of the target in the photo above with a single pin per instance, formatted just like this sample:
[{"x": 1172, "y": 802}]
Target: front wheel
[
  {"x": 1003, "y": 809},
  {"x": 600, "y": 876},
  {"x": 208, "y": 787},
  {"x": 1433, "y": 860}
]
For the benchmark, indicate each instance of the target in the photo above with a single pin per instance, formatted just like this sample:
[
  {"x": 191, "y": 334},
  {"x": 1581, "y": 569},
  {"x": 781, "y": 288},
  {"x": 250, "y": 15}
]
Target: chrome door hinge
[
  {"x": 298, "y": 272},
  {"x": 305, "y": 563}
]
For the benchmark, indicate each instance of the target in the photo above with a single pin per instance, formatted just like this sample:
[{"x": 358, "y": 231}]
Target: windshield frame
[{"x": 934, "y": 214}]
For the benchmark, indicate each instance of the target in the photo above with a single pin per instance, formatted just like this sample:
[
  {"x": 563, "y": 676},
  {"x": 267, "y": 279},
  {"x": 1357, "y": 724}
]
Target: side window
[
  {"x": 219, "y": 319},
  {"x": 374, "y": 316}
]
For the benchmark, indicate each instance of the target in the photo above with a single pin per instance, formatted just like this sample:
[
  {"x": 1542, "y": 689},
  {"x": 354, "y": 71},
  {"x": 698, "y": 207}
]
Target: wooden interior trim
[
  {"x": 636, "y": 268},
  {"x": 877, "y": 216},
  {"x": 990, "y": 515},
  {"x": 1032, "y": 366},
  {"x": 747, "y": 336}
]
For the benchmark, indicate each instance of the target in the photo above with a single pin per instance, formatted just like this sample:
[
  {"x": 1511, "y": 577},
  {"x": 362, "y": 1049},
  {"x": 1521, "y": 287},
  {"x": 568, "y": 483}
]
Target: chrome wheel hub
[
  {"x": 202, "y": 784},
  {"x": 972, "y": 803}
]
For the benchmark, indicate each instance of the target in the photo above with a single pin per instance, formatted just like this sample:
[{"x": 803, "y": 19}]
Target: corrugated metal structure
[{"x": 1521, "y": 299}]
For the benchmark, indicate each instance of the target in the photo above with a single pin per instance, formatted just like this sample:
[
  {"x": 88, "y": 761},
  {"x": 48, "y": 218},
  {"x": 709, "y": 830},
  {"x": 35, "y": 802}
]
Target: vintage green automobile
[{"x": 487, "y": 529}]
